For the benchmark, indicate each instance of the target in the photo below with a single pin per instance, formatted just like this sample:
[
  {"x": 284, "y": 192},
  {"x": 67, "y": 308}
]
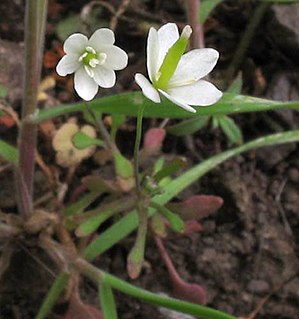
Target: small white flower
[
  {"x": 175, "y": 75},
  {"x": 93, "y": 61}
]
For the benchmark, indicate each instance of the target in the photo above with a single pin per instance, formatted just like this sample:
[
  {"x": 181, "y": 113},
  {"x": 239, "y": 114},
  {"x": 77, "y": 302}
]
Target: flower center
[{"x": 90, "y": 58}]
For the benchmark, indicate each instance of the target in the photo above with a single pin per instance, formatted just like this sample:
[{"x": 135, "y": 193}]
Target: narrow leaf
[
  {"x": 79, "y": 206},
  {"x": 82, "y": 140},
  {"x": 53, "y": 295},
  {"x": 107, "y": 301},
  {"x": 128, "y": 104},
  {"x": 230, "y": 129},
  {"x": 175, "y": 222},
  {"x": 189, "y": 126},
  {"x": 206, "y": 7}
]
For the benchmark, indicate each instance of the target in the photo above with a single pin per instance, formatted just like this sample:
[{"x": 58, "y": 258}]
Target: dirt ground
[{"x": 246, "y": 257}]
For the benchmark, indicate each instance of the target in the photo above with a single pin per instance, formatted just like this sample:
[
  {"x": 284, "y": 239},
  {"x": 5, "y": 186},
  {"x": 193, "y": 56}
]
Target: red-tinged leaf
[
  {"x": 197, "y": 207},
  {"x": 180, "y": 288},
  {"x": 192, "y": 226},
  {"x": 79, "y": 310},
  {"x": 153, "y": 139},
  {"x": 47, "y": 128},
  {"x": 189, "y": 292},
  {"x": 7, "y": 121}
]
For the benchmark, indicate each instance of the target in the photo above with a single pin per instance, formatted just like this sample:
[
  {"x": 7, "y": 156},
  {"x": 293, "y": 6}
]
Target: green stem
[
  {"x": 101, "y": 127},
  {"x": 99, "y": 276},
  {"x": 245, "y": 41},
  {"x": 136, "y": 148},
  {"x": 34, "y": 38}
]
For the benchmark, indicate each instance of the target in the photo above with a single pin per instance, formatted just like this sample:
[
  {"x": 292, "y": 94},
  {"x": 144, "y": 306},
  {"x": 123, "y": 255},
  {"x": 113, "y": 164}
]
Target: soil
[{"x": 247, "y": 255}]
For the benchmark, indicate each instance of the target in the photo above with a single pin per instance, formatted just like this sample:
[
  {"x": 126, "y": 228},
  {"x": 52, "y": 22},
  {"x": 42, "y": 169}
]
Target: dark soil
[{"x": 247, "y": 255}]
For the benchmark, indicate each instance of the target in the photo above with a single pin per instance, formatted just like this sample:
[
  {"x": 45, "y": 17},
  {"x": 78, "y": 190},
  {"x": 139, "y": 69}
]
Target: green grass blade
[
  {"x": 128, "y": 104},
  {"x": 52, "y": 295},
  {"x": 127, "y": 224},
  {"x": 107, "y": 301},
  {"x": 8, "y": 152}
]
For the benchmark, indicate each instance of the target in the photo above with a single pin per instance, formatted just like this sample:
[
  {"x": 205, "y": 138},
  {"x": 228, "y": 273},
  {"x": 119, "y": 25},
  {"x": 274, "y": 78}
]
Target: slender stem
[
  {"x": 136, "y": 148},
  {"x": 101, "y": 127},
  {"x": 245, "y": 41},
  {"x": 34, "y": 35},
  {"x": 197, "y": 39}
]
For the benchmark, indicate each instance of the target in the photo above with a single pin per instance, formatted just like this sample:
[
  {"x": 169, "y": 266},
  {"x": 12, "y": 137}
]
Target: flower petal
[
  {"x": 101, "y": 38},
  {"x": 104, "y": 77},
  {"x": 147, "y": 89},
  {"x": 200, "y": 93},
  {"x": 178, "y": 102},
  {"x": 67, "y": 65},
  {"x": 193, "y": 66},
  {"x": 152, "y": 53},
  {"x": 168, "y": 34},
  {"x": 117, "y": 59},
  {"x": 75, "y": 44},
  {"x": 85, "y": 86}
]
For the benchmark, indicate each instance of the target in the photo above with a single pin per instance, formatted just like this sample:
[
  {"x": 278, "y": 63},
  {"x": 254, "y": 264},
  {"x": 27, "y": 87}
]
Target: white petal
[
  {"x": 117, "y": 59},
  {"x": 67, "y": 65},
  {"x": 178, "y": 102},
  {"x": 152, "y": 53},
  {"x": 101, "y": 38},
  {"x": 104, "y": 77},
  {"x": 147, "y": 89},
  {"x": 75, "y": 44},
  {"x": 85, "y": 86},
  {"x": 168, "y": 34},
  {"x": 193, "y": 66},
  {"x": 200, "y": 93}
]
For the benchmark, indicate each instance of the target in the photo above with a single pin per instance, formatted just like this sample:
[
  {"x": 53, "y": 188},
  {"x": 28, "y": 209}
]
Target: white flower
[
  {"x": 93, "y": 61},
  {"x": 175, "y": 75}
]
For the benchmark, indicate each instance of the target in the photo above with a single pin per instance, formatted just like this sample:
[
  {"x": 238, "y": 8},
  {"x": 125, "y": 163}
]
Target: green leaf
[
  {"x": 82, "y": 140},
  {"x": 117, "y": 121},
  {"x": 128, "y": 104},
  {"x": 230, "y": 129},
  {"x": 236, "y": 86},
  {"x": 92, "y": 223},
  {"x": 3, "y": 91},
  {"x": 8, "y": 152},
  {"x": 53, "y": 295},
  {"x": 175, "y": 222},
  {"x": 206, "y": 7},
  {"x": 127, "y": 224},
  {"x": 189, "y": 126},
  {"x": 169, "y": 169},
  {"x": 123, "y": 166},
  {"x": 79, "y": 206},
  {"x": 107, "y": 301}
]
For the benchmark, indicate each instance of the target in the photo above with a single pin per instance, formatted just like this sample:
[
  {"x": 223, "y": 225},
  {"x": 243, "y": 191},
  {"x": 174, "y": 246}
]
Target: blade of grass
[{"x": 127, "y": 224}]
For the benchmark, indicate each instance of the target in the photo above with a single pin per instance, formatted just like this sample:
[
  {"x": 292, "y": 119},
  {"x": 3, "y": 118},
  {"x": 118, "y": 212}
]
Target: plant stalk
[{"x": 35, "y": 18}]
